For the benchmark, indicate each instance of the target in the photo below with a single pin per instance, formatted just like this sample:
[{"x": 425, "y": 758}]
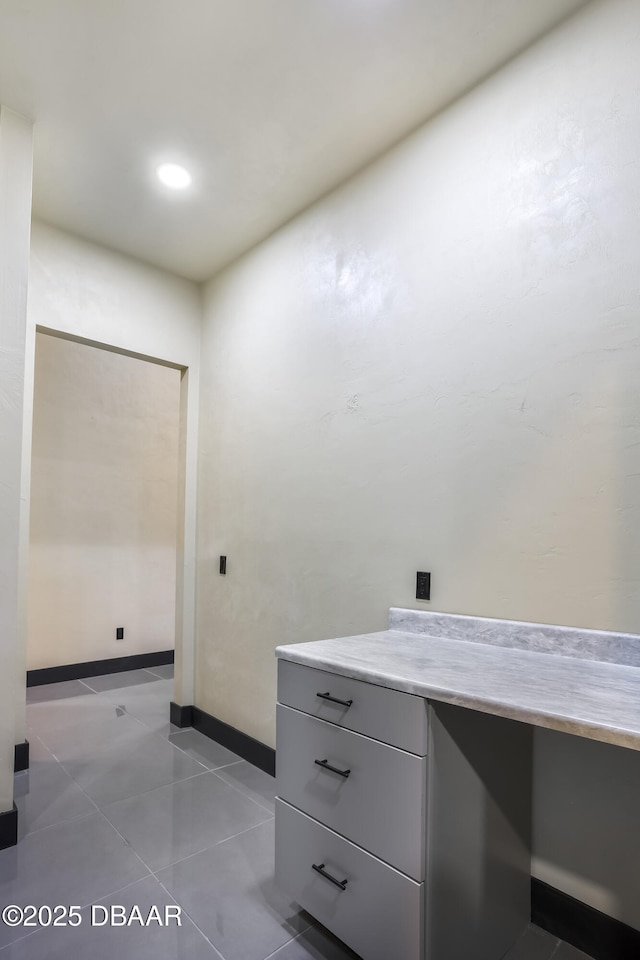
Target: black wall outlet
[
  {"x": 223, "y": 565},
  {"x": 119, "y": 633},
  {"x": 423, "y": 585}
]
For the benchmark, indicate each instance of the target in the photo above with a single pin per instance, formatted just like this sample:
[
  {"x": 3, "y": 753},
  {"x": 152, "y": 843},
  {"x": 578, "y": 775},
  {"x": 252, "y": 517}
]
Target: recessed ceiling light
[{"x": 173, "y": 175}]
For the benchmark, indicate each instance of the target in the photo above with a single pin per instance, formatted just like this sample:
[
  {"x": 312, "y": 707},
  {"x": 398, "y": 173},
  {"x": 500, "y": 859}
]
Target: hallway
[{"x": 120, "y": 807}]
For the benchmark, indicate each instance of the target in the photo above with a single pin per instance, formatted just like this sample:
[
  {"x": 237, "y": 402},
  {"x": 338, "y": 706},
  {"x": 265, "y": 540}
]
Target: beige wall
[
  {"x": 103, "y": 505},
  {"x": 436, "y": 367},
  {"x": 81, "y": 289},
  {"x": 16, "y": 154}
]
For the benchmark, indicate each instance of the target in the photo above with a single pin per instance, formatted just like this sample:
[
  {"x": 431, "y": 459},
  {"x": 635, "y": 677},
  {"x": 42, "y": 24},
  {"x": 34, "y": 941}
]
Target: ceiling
[{"x": 269, "y": 103}]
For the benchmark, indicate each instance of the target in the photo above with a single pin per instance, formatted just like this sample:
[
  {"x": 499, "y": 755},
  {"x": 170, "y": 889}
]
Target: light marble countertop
[{"x": 589, "y": 698}]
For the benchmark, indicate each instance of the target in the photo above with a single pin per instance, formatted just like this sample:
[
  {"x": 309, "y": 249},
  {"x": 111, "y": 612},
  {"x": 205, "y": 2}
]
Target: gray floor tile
[
  {"x": 535, "y": 944},
  {"x": 179, "y": 820},
  {"x": 128, "y": 942},
  {"x": 255, "y": 783},
  {"x": 165, "y": 730},
  {"x": 203, "y": 749},
  {"x": 45, "y": 794},
  {"x": 132, "y": 768},
  {"x": 68, "y": 715},
  {"x": 71, "y": 863},
  {"x": 148, "y": 703},
  {"x": 154, "y": 715},
  {"x": 156, "y": 689},
  {"x": 83, "y": 738},
  {"x": 37, "y": 749},
  {"x": 316, "y": 943},
  {"x": 57, "y": 691},
  {"x": 115, "y": 681},
  {"x": 165, "y": 670},
  {"x": 230, "y": 893},
  {"x": 567, "y": 952}
]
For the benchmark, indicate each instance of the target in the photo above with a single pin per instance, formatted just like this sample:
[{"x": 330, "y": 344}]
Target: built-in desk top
[{"x": 585, "y": 682}]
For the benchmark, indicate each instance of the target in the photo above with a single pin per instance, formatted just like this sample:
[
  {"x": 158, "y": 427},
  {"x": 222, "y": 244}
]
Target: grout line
[
  {"x": 231, "y": 763},
  {"x": 34, "y": 736},
  {"x": 158, "y": 675},
  {"x": 12, "y": 943},
  {"x": 143, "y": 793},
  {"x": 184, "y": 752},
  {"x": 239, "y": 790},
  {"x": 124, "y": 840},
  {"x": 128, "y": 713},
  {"x": 182, "y": 908},
  {"x": 211, "y": 846},
  {"x": 126, "y": 686},
  {"x": 88, "y": 686},
  {"x": 58, "y": 823},
  {"x": 223, "y": 766},
  {"x": 119, "y": 890},
  {"x": 52, "y": 826},
  {"x": 292, "y": 940}
]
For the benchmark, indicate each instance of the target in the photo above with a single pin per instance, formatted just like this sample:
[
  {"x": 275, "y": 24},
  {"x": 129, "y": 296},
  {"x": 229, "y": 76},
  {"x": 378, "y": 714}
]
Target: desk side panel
[{"x": 478, "y": 897}]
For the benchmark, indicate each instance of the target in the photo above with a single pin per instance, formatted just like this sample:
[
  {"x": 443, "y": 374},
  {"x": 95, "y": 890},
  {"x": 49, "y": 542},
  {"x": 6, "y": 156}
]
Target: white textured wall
[
  {"x": 104, "y": 504},
  {"x": 436, "y": 367},
  {"x": 16, "y": 152},
  {"x": 80, "y": 289}
]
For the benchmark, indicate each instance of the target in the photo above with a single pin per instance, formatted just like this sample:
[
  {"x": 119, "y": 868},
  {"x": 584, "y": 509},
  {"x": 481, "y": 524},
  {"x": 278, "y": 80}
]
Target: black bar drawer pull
[
  {"x": 327, "y": 766},
  {"x": 319, "y": 868},
  {"x": 327, "y": 696}
]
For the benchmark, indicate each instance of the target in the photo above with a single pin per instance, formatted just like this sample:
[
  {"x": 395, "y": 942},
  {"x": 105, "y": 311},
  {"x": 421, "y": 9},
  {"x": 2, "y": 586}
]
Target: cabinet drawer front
[
  {"x": 379, "y": 804},
  {"x": 388, "y": 715},
  {"x": 378, "y": 914}
]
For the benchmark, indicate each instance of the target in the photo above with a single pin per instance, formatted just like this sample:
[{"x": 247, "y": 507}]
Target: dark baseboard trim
[
  {"x": 180, "y": 716},
  {"x": 95, "y": 668},
  {"x": 257, "y": 753},
  {"x": 21, "y": 756},
  {"x": 598, "y": 935},
  {"x": 9, "y": 828}
]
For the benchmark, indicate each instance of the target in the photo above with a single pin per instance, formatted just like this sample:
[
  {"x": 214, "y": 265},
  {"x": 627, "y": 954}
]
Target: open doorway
[{"x": 104, "y": 507}]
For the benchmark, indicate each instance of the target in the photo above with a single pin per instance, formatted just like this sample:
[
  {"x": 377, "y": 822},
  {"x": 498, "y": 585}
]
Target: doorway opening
[{"x": 105, "y": 518}]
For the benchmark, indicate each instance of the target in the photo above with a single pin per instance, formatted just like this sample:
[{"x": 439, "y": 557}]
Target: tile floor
[{"x": 121, "y": 808}]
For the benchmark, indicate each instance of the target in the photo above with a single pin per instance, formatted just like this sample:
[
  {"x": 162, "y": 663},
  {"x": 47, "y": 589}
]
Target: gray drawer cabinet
[
  {"x": 402, "y": 825},
  {"x": 376, "y": 799},
  {"x": 387, "y": 715},
  {"x": 379, "y": 914}
]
